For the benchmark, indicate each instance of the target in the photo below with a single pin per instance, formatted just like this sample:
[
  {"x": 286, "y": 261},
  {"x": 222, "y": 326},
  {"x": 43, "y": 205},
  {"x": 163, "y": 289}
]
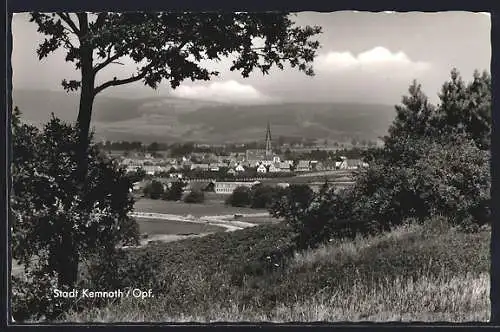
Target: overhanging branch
[
  {"x": 117, "y": 82},
  {"x": 109, "y": 60}
]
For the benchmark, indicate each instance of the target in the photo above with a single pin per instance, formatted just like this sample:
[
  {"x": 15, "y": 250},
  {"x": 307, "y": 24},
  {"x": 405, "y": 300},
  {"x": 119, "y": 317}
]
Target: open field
[
  {"x": 413, "y": 273},
  {"x": 160, "y": 227},
  {"x": 209, "y": 208},
  {"x": 259, "y": 220}
]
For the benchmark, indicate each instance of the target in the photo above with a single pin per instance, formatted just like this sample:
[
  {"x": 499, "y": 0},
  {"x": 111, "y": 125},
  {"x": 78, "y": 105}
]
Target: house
[
  {"x": 228, "y": 187},
  {"x": 351, "y": 164},
  {"x": 175, "y": 175},
  {"x": 231, "y": 171},
  {"x": 261, "y": 169},
  {"x": 284, "y": 167},
  {"x": 274, "y": 168},
  {"x": 132, "y": 169},
  {"x": 214, "y": 167},
  {"x": 303, "y": 166},
  {"x": 201, "y": 167},
  {"x": 151, "y": 169},
  {"x": 239, "y": 168},
  {"x": 266, "y": 162}
]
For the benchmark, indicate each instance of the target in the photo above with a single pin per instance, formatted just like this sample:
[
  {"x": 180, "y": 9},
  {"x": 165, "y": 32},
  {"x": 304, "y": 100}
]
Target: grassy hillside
[
  {"x": 426, "y": 273},
  {"x": 167, "y": 119}
]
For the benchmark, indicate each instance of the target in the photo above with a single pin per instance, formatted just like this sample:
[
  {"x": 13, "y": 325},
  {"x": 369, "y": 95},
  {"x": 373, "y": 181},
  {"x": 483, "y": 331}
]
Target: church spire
[{"x": 269, "y": 147}]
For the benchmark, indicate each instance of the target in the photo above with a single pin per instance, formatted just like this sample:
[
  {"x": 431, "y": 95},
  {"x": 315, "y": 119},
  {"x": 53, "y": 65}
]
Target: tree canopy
[{"x": 170, "y": 46}]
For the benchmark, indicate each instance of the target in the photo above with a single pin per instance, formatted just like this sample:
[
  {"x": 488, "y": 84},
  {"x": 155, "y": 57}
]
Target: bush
[
  {"x": 175, "y": 192},
  {"x": 195, "y": 196},
  {"x": 241, "y": 197},
  {"x": 264, "y": 196},
  {"x": 137, "y": 176},
  {"x": 434, "y": 162},
  {"x": 451, "y": 179},
  {"x": 56, "y": 222},
  {"x": 154, "y": 190}
]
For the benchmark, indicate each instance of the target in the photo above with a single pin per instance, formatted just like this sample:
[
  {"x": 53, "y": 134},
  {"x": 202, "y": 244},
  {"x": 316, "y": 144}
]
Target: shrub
[
  {"x": 434, "y": 163},
  {"x": 154, "y": 190},
  {"x": 137, "y": 176},
  {"x": 449, "y": 178},
  {"x": 195, "y": 196},
  {"x": 264, "y": 196},
  {"x": 56, "y": 222},
  {"x": 175, "y": 192},
  {"x": 241, "y": 197}
]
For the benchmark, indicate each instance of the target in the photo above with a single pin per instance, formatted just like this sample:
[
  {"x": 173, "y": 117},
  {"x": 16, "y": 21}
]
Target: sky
[{"x": 364, "y": 57}]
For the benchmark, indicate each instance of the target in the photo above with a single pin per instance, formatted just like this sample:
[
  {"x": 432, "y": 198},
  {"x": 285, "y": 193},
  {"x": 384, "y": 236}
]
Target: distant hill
[{"x": 167, "y": 119}]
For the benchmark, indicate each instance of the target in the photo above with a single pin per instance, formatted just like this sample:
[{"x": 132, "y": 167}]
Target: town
[{"x": 224, "y": 168}]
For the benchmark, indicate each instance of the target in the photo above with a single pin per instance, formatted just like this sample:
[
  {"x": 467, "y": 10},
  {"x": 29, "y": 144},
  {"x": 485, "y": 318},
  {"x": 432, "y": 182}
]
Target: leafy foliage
[
  {"x": 137, "y": 176},
  {"x": 466, "y": 108},
  {"x": 195, "y": 196},
  {"x": 175, "y": 192},
  {"x": 55, "y": 225},
  {"x": 154, "y": 190},
  {"x": 434, "y": 163},
  {"x": 241, "y": 197},
  {"x": 171, "y": 46},
  {"x": 263, "y": 196}
]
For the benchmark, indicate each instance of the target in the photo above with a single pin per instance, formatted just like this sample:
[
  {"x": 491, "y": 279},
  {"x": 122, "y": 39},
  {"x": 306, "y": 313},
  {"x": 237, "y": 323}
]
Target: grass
[
  {"x": 161, "y": 227},
  {"x": 209, "y": 208},
  {"x": 412, "y": 273}
]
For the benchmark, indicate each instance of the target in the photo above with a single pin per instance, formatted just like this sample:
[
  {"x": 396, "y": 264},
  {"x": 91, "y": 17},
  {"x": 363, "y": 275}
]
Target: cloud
[
  {"x": 228, "y": 91},
  {"x": 374, "y": 60}
]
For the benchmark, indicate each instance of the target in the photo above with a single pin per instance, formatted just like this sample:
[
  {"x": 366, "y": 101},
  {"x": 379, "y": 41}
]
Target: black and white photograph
[{"x": 281, "y": 167}]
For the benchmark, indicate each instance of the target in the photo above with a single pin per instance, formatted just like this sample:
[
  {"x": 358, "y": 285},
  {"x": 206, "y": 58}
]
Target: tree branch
[
  {"x": 109, "y": 60},
  {"x": 66, "y": 18},
  {"x": 131, "y": 79}
]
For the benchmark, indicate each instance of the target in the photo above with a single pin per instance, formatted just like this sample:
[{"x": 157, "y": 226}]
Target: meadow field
[
  {"x": 174, "y": 227},
  {"x": 427, "y": 272},
  {"x": 211, "y": 207}
]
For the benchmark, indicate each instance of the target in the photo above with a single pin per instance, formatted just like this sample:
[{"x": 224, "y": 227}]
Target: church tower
[{"x": 269, "y": 147}]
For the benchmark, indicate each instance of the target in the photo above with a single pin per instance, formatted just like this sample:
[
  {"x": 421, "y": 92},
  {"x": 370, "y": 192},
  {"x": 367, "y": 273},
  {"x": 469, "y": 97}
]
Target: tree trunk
[
  {"x": 85, "y": 111},
  {"x": 68, "y": 262}
]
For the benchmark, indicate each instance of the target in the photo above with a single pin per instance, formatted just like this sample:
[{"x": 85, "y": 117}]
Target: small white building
[
  {"x": 284, "y": 167},
  {"x": 261, "y": 169},
  {"x": 229, "y": 186},
  {"x": 274, "y": 168},
  {"x": 303, "y": 166},
  {"x": 239, "y": 168},
  {"x": 351, "y": 164},
  {"x": 202, "y": 167}
]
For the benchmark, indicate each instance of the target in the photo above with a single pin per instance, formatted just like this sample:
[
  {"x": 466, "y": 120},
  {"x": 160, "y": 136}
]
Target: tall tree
[
  {"x": 466, "y": 108},
  {"x": 167, "y": 47}
]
